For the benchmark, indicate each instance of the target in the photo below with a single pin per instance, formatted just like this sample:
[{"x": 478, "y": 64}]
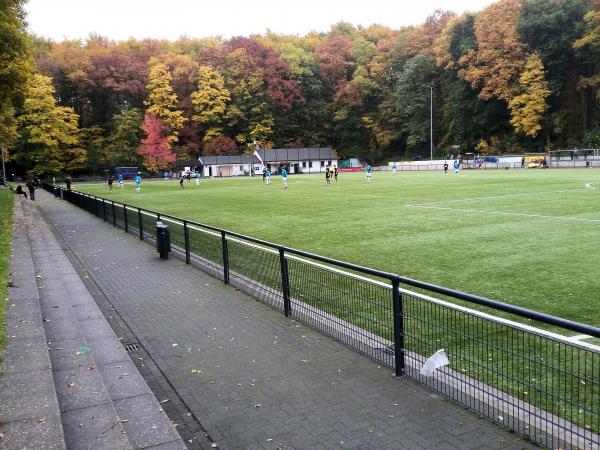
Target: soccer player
[
  {"x": 335, "y": 173},
  {"x": 268, "y": 176},
  {"x": 138, "y": 182},
  {"x": 445, "y": 166},
  {"x": 197, "y": 178},
  {"x": 456, "y": 166},
  {"x": 264, "y": 175},
  {"x": 165, "y": 176},
  {"x": 369, "y": 169},
  {"x": 121, "y": 180},
  {"x": 284, "y": 177},
  {"x": 327, "y": 176},
  {"x": 111, "y": 180},
  {"x": 394, "y": 168},
  {"x": 181, "y": 178}
]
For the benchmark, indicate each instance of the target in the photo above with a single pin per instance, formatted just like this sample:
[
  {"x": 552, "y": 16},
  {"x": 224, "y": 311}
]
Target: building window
[
  {"x": 322, "y": 163},
  {"x": 310, "y": 164},
  {"x": 304, "y": 164},
  {"x": 328, "y": 163}
]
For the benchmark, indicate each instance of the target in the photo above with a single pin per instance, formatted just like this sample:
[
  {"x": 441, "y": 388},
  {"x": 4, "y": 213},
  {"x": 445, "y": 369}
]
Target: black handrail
[{"x": 471, "y": 298}]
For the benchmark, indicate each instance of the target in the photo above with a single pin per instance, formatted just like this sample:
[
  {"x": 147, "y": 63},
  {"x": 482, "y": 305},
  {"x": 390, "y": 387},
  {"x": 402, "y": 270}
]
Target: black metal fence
[{"x": 524, "y": 373}]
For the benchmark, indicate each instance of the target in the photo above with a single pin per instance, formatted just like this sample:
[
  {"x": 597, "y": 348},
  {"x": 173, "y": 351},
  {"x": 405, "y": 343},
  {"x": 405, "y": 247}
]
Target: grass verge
[{"x": 6, "y": 205}]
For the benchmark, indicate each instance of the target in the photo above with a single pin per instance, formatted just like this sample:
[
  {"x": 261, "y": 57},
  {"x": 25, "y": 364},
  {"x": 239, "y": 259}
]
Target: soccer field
[{"x": 526, "y": 237}]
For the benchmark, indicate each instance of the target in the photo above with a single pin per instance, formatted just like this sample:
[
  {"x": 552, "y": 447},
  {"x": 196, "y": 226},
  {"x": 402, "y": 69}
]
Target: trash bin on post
[{"x": 163, "y": 240}]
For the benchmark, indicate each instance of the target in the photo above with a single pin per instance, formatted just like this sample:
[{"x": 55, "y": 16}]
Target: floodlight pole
[{"x": 431, "y": 121}]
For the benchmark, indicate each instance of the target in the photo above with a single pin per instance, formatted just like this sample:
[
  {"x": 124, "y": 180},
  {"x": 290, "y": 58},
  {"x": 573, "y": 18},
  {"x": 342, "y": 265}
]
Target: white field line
[
  {"x": 503, "y": 213},
  {"x": 589, "y": 186},
  {"x": 492, "y": 197}
]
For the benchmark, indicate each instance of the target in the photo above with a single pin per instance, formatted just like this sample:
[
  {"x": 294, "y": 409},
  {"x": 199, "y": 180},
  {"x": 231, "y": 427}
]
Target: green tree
[
  {"x": 49, "y": 134},
  {"x": 412, "y": 97},
  {"x": 125, "y": 138},
  {"x": 162, "y": 101}
]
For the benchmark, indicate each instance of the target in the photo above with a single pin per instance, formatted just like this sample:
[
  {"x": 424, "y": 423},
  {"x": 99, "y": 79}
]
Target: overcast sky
[{"x": 169, "y": 19}]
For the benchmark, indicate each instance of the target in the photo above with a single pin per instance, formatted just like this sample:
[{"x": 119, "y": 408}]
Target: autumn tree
[
  {"x": 162, "y": 101},
  {"x": 15, "y": 66},
  {"x": 527, "y": 108},
  {"x": 210, "y": 100},
  {"x": 49, "y": 134},
  {"x": 335, "y": 62},
  {"x": 220, "y": 145},
  {"x": 155, "y": 148},
  {"x": 494, "y": 67}
]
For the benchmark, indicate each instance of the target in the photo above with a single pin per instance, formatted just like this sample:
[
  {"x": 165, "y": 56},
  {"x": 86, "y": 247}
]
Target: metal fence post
[
  {"x": 186, "y": 240},
  {"x": 103, "y": 210},
  {"x": 140, "y": 224},
  {"x": 125, "y": 224},
  {"x": 285, "y": 283},
  {"x": 398, "y": 310},
  {"x": 114, "y": 216},
  {"x": 225, "y": 258}
]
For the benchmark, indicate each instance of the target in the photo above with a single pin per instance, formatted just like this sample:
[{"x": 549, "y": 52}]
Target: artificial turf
[{"x": 525, "y": 237}]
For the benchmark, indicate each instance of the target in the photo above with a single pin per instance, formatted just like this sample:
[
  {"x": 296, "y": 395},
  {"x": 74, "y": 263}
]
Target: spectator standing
[{"x": 31, "y": 187}]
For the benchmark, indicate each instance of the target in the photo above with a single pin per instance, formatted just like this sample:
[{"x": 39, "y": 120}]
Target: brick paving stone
[{"x": 247, "y": 372}]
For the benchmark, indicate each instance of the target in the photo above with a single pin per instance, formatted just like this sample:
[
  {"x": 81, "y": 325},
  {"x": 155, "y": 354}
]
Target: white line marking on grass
[
  {"x": 502, "y": 213},
  {"x": 491, "y": 197},
  {"x": 582, "y": 337},
  {"x": 589, "y": 186}
]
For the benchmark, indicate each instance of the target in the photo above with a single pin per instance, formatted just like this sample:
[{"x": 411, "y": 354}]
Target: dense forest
[{"x": 519, "y": 75}]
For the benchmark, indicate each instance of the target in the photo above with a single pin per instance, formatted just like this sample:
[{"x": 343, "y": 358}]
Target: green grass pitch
[{"x": 526, "y": 237}]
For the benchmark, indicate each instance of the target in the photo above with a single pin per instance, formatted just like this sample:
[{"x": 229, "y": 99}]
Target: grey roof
[
  {"x": 273, "y": 155},
  {"x": 297, "y": 154},
  {"x": 229, "y": 159},
  {"x": 181, "y": 163}
]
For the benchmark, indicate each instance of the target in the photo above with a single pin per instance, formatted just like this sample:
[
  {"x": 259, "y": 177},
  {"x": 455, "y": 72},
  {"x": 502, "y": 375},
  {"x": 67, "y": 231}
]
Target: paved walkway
[
  {"x": 69, "y": 382},
  {"x": 252, "y": 377}
]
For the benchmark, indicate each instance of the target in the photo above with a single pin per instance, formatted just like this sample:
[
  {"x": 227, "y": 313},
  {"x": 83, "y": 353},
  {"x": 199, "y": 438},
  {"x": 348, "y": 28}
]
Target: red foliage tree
[
  {"x": 155, "y": 147},
  {"x": 335, "y": 64},
  {"x": 221, "y": 145}
]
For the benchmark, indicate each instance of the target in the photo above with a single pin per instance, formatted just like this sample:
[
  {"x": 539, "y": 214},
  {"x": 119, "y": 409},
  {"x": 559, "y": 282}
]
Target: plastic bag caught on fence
[{"x": 435, "y": 361}]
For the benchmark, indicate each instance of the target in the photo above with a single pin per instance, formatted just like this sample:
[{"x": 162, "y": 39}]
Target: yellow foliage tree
[
  {"x": 528, "y": 108},
  {"x": 49, "y": 134},
  {"x": 162, "y": 101},
  {"x": 211, "y": 97}
]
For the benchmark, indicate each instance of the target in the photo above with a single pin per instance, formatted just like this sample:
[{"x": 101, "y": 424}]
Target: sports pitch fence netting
[
  {"x": 352, "y": 310},
  {"x": 539, "y": 383}
]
